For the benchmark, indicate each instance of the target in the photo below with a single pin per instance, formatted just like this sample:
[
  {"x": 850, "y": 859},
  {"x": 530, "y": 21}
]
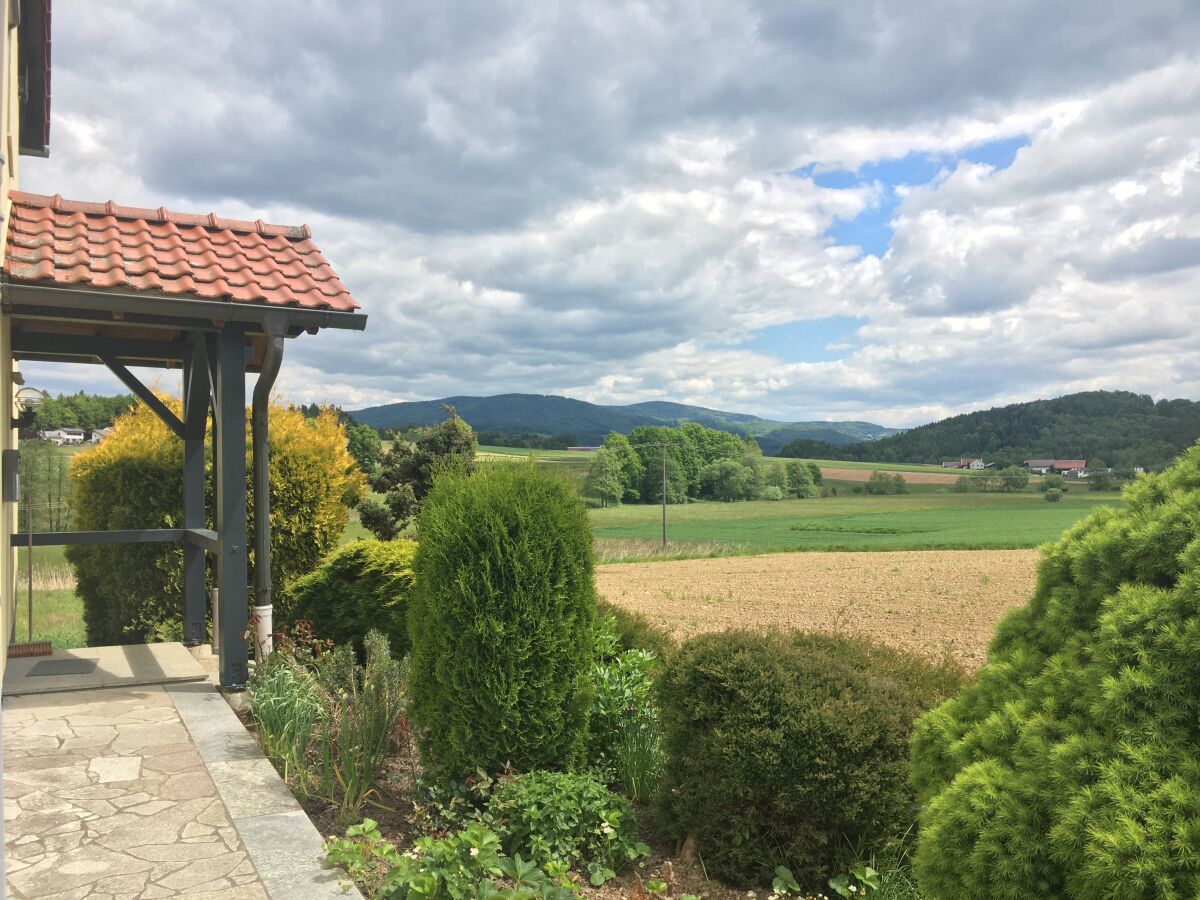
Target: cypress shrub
[
  {"x": 1070, "y": 768},
  {"x": 501, "y": 621},
  {"x": 790, "y": 749},
  {"x": 362, "y": 586},
  {"x": 134, "y": 479}
]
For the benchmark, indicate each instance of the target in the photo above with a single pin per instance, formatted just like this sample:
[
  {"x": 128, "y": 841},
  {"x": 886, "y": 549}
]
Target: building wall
[{"x": 9, "y": 147}]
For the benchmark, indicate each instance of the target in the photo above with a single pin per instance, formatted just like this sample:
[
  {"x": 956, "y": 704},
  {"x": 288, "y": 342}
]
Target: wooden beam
[{"x": 145, "y": 395}]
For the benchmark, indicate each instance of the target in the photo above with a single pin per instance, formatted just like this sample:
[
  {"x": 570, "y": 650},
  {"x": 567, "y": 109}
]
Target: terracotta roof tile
[{"x": 103, "y": 245}]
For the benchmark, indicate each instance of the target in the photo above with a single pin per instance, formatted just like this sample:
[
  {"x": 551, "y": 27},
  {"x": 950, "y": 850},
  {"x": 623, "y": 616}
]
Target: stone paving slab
[
  {"x": 149, "y": 792},
  {"x": 123, "y": 666}
]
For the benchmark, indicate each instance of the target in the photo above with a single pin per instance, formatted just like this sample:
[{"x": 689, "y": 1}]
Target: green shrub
[
  {"x": 133, "y": 479},
  {"x": 363, "y": 585},
  {"x": 357, "y": 733},
  {"x": 574, "y": 820},
  {"x": 883, "y": 483},
  {"x": 1069, "y": 769},
  {"x": 790, "y": 749},
  {"x": 636, "y": 632},
  {"x": 623, "y": 723},
  {"x": 501, "y": 621},
  {"x": 285, "y": 703},
  {"x": 1053, "y": 480},
  {"x": 1053, "y": 495}
]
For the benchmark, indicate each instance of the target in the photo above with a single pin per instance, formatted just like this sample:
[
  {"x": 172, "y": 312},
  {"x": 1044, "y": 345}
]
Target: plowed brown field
[{"x": 934, "y": 602}]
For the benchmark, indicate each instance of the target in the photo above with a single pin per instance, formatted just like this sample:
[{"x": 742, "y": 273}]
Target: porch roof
[{"x": 83, "y": 280}]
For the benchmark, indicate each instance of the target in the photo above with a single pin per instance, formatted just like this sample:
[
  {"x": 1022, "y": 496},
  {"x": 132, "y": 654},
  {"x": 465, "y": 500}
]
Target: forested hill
[
  {"x": 1117, "y": 427},
  {"x": 589, "y": 423},
  {"x": 87, "y": 411}
]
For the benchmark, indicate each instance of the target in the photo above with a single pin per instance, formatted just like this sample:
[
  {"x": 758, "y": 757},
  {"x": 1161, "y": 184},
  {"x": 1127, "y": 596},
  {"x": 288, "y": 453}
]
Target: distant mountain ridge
[
  {"x": 1118, "y": 428},
  {"x": 590, "y": 422}
]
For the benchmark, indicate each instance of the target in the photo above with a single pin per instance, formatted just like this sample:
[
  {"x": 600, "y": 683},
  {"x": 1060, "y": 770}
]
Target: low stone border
[{"x": 282, "y": 842}]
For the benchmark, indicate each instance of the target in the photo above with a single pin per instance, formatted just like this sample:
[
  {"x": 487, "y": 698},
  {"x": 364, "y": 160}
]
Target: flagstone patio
[{"x": 148, "y": 792}]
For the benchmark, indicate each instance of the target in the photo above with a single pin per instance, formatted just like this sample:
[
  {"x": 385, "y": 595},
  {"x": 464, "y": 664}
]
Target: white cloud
[{"x": 598, "y": 199}]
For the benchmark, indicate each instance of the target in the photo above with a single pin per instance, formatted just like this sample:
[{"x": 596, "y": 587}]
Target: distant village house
[
  {"x": 1061, "y": 466},
  {"x": 65, "y": 437},
  {"x": 967, "y": 462}
]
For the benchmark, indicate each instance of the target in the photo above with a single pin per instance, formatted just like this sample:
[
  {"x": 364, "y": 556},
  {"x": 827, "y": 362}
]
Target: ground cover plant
[
  {"x": 1069, "y": 768},
  {"x": 791, "y": 749},
  {"x": 501, "y": 621}
]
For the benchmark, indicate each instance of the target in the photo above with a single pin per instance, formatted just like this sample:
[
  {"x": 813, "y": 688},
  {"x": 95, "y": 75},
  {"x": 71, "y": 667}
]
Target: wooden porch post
[
  {"x": 232, "y": 564},
  {"x": 195, "y": 422}
]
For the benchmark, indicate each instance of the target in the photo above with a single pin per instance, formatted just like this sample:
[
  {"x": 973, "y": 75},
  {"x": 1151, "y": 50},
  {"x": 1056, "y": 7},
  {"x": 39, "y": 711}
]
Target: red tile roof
[{"x": 68, "y": 243}]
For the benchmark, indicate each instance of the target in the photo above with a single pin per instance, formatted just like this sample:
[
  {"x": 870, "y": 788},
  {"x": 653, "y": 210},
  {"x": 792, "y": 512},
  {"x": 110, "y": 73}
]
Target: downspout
[{"x": 275, "y": 328}]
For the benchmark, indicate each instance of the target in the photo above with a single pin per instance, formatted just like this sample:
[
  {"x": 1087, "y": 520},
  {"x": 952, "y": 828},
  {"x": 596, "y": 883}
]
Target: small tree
[
  {"x": 1054, "y": 481},
  {"x": 501, "y": 621},
  {"x": 365, "y": 446},
  {"x": 44, "y": 486},
  {"x": 1053, "y": 495},
  {"x": 406, "y": 474},
  {"x": 632, "y": 469},
  {"x": 800, "y": 480},
  {"x": 726, "y": 480},
  {"x": 605, "y": 479},
  {"x": 818, "y": 477},
  {"x": 1013, "y": 479}
]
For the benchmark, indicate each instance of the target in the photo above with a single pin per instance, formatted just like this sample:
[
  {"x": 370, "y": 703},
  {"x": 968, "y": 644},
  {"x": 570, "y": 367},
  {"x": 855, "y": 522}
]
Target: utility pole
[
  {"x": 664, "y": 493},
  {"x": 662, "y": 446}
]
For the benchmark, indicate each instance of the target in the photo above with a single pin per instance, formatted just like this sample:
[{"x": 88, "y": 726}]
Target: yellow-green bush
[
  {"x": 134, "y": 479},
  {"x": 364, "y": 585},
  {"x": 1070, "y": 768}
]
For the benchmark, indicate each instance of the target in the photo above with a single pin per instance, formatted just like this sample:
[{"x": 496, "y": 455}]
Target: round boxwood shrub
[
  {"x": 501, "y": 621},
  {"x": 363, "y": 585},
  {"x": 790, "y": 749},
  {"x": 134, "y": 479},
  {"x": 1070, "y": 768}
]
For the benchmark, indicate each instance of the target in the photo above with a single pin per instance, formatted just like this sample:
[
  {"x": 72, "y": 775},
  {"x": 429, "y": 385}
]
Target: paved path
[{"x": 149, "y": 792}]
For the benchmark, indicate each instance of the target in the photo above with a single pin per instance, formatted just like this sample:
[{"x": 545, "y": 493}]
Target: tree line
[
  {"x": 87, "y": 411},
  {"x": 1123, "y": 428},
  {"x": 692, "y": 462}
]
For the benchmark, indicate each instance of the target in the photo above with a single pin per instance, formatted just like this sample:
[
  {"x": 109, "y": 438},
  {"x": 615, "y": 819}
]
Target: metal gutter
[
  {"x": 276, "y": 327},
  {"x": 19, "y": 294}
]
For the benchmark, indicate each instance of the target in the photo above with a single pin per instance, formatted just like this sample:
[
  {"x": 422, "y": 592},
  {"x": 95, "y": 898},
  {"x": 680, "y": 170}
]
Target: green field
[{"x": 926, "y": 521}]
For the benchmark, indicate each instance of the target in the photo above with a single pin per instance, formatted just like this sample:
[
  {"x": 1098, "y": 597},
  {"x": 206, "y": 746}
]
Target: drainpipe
[{"x": 275, "y": 326}]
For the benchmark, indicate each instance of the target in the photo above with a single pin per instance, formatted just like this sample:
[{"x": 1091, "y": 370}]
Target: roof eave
[{"x": 170, "y": 308}]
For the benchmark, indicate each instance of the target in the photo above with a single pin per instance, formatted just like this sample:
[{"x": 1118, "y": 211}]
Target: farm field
[
  {"x": 932, "y": 602},
  {"x": 924, "y": 521}
]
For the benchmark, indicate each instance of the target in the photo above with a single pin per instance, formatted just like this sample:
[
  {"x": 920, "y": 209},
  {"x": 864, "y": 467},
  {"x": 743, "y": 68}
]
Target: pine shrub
[
  {"x": 134, "y": 479},
  {"x": 1070, "y": 768},
  {"x": 501, "y": 621},
  {"x": 363, "y": 585},
  {"x": 790, "y": 749}
]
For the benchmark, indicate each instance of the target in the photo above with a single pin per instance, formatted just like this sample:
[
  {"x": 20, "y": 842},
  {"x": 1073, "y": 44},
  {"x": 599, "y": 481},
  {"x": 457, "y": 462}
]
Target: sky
[{"x": 885, "y": 211}]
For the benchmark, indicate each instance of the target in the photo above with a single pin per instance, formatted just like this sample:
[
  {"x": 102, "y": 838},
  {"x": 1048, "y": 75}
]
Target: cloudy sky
[{"x": 889, "y": 211}]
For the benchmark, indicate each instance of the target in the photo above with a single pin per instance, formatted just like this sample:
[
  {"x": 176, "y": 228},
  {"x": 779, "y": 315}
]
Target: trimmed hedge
[
  {"x": 790, "y": 749},
  {"x": 134, "y": 479},
  {"x": 363, "y": 585},
  {"x": 501, "y": 621},
  {"x": 1070, "y": 768}
]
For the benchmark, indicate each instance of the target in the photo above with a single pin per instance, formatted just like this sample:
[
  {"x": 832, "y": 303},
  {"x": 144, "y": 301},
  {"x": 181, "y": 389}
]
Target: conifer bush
[
  {"x": 1070, "y": 767},
  {"x": 790, "y": 749},
  {"x": 134, "y": 479},
  {"x": 501, "y": 621},
  {"x": 362, "y": 586}
]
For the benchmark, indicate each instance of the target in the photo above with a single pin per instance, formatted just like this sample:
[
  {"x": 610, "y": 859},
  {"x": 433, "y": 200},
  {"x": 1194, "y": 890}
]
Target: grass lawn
[
  {"x": 921, "y": 521},
  {"x": 57, "y": 618}
]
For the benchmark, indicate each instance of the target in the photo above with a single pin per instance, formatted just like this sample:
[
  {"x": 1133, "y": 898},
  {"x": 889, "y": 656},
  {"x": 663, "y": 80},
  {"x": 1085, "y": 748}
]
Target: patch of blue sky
[
  {"x": 808, "y": 340},
  {"x": 871, "y": 229}
]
